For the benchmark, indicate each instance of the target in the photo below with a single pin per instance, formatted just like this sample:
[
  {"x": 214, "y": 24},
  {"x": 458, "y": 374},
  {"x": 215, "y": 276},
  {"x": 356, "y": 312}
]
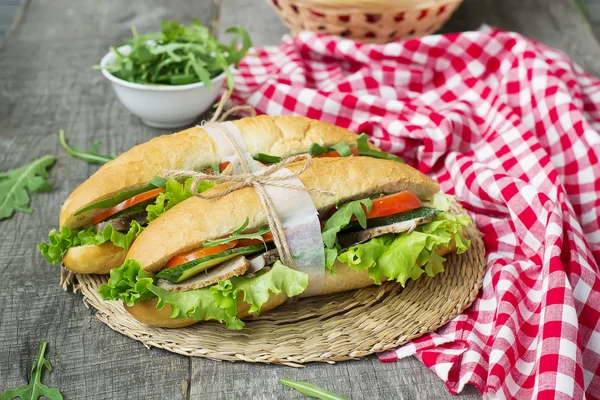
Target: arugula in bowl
[{"x": 178, "y": 55}]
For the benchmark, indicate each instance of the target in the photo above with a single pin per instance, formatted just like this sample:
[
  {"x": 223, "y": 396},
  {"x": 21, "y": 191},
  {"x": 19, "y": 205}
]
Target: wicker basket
[{"x": 375, "y": 21}]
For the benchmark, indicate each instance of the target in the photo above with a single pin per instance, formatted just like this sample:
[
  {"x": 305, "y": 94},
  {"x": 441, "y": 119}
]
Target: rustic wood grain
[{"x": 46, "y": 83}]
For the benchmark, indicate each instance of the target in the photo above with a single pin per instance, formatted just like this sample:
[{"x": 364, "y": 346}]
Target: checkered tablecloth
[{"x": 509, "y": 126}]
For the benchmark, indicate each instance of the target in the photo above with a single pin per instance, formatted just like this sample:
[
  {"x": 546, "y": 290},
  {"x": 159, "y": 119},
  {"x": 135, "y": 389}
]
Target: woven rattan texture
[{"x": 379, "y": 22}]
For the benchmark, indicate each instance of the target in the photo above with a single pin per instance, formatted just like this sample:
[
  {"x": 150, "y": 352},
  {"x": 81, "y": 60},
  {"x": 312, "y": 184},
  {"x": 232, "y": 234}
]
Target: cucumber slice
[
  {"x": 392, "y": 219},
  {"x": 405, "y": 216},
  {"x": 185, "y": 271}
]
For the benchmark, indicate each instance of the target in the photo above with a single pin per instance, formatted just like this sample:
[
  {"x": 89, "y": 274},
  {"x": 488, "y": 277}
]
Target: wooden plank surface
[{"x": 46, "y": 83}]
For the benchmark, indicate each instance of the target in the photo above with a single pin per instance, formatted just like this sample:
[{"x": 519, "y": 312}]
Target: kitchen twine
[{"x": 258, "y": 180}]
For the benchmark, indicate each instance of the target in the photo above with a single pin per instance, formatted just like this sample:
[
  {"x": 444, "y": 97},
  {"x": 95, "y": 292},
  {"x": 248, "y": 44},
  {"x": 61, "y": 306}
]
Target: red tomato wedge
[
  {"x": 199, "y": 253},
  {"x": 336, "y": 154},
  {"x": 394, "y": 204},
  {"x": 150, "y": 194},
  {"x": 222, "y": 167}
]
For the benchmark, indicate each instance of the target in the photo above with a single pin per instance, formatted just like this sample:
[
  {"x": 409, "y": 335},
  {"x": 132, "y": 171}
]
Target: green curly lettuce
[
  {"x": 408, "y": 255},
  {"x": 130, "y": 284},
  {"x": 259, "y": 287},
  {"x": 175, "y": 193},
  {"x": 60, "y": 242}
]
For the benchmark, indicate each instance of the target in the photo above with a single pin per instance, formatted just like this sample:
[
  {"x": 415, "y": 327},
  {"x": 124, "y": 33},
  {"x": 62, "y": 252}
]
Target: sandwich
[
  {"x": 101, "y": 219},
  {"x": 214, "y": 258}
]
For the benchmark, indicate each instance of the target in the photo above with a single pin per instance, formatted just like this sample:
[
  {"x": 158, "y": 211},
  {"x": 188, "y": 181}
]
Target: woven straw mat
[{"x": 331, "y": 328}]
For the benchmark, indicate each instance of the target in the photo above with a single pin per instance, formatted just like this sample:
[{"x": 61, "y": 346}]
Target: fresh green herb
[
  {"x": 362, "y": 142},
  {"x": 16, "y": 184},
  {"x": 316, "y": 149},
  {"x": 90, "y": 157},
  {"x": 35, "y": 389},
  {"x": 343, "y": 149},
  {"x": 267, "y": 158},
  {"x": 311, "y": 390},
  {"x": 179, "y": 55},
  {"x": 156, "y": 182},
  {"x": 237, "y": 234},
  {"x": 342, "y": 217},
  {"x": 60, "y": 242},
  {"x": 175, "y": 193}
]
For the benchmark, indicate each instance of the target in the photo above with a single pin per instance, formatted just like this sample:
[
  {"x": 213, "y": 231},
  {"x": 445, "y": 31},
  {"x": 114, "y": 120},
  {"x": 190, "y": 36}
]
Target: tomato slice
[
  {"x": 199, "y": 253},
  {"x": 140, "y": 198},
  {"x": 394, "y": 204},
  {"x": 268, "y": 237},
  {"x": 336, "y": 154}
]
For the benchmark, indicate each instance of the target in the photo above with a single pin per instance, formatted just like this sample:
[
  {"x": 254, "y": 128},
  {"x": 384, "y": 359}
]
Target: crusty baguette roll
[
  {"x": 187, "y": 225},
  {"x": 194, "y": 148},
  {"x": 92, "y": 259}
]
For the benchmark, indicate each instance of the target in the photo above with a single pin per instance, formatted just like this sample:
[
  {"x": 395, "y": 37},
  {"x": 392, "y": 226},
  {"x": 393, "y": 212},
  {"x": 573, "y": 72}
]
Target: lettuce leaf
[
  {"x": 130, "y": 284},
  {"x": 259, "y": 287},
  {"x": 408, "y": 255},
  {"x": 175, "y": 193},
  {"x": 196, "y": 304},
  {"x": 60, "y": 242}
]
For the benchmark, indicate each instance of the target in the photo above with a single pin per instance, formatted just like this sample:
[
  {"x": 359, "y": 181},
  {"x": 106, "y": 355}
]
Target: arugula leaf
[
  {"x": 311, "y": 390},
  {"x": 130, "y": 283},
  {"x": 90, "y": 157},
  {"x": 408, "y": 255},
  {"x": 175, "y": 193},
  {"x": 343, "y": 149},
  {"x": 316, "y": 149},
  {"x": 16, "y": 184},
  {"x": 237, "y": 234},
  {"x": 35, "y": 389},
  {"x": 342, "y": 217},
  {"x": 179, "y": 55},
  {"x": 267, "y": 158},
  {"x": 156, "y": 182},
  {"x": 362, "y": 142},
  {"x": 60, "y": 242}
]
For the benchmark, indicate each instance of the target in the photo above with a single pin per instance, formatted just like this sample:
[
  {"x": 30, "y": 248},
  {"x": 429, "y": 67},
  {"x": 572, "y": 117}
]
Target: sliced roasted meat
[
  {"x": 352, "y": 238},
  {"x": 259, "y": 262},
  {"x": 235, "y": 267},
  {"x": 123, "y": 224}
]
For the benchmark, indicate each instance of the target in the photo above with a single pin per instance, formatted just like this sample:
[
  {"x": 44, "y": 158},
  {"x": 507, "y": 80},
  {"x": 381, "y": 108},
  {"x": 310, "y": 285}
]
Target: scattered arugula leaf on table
[
  {"x": 90, "y": 157},
  {"x": 16, "y": 184},
  {"x": 35, "y": 389},
  {"x": 178, "y": 55},
  {"x": 311, "y": 390}
]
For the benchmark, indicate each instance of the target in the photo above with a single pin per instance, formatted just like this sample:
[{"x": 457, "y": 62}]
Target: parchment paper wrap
[
  {"x": 302, "y": 228},
  {"x": 224, "y": 146}
]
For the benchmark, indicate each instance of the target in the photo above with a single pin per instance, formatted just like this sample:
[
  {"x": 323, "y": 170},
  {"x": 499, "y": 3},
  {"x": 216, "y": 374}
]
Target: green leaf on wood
[{"x": 16, "y": 184}]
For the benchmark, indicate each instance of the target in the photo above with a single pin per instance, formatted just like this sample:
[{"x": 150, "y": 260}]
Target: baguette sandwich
[
  {"x": 214, "y": 258},
  {"x": 100, "y": 220}
]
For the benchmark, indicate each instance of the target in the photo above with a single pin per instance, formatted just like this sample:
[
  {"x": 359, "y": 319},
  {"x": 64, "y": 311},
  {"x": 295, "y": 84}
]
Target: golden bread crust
[
  {"x": 194, "y": 148},
  {"x": 94, "y": 259}
]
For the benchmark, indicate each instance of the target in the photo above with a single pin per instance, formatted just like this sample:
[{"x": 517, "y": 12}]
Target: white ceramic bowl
[{"x": 163, "y": 106}]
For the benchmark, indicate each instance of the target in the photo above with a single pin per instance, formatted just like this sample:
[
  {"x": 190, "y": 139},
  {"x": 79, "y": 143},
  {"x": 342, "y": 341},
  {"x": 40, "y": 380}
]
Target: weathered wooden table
[{"x": 47, "y": 83}]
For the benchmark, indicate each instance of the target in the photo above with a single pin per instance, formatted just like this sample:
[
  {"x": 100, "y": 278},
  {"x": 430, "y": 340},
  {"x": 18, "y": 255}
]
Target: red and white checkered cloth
[{"x": 509, "y": 126}]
